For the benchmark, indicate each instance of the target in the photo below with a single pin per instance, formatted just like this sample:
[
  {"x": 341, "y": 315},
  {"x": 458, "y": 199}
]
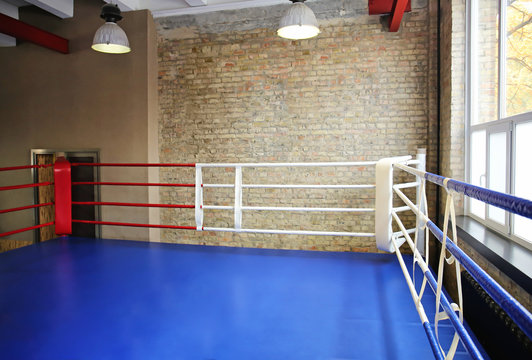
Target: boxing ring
[{"x": 96, "y": 298}]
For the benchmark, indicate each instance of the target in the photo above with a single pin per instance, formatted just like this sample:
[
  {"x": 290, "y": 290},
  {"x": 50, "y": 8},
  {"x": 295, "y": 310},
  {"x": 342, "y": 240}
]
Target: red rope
[
  {"x": 26, "y": 229},
  {"x": 132, "y": 204},
  {"x": 129, "y": 184},
  {"x": 134, "y": 225},
  {"x": 133, "y": 164},
  {"x": 14, "y": 187},
  {"x": 25, "y": 207},
  {"x": 25, "y": 167}
]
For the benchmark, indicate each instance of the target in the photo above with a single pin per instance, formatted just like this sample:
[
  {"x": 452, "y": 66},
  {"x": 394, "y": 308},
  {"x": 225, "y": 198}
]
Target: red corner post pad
[{"x": 63, "y": 197}]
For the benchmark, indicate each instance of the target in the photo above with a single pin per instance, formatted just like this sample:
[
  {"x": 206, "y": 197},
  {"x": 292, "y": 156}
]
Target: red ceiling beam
[
  {"x": 23, "y": 31},
  {"x": 384, "y": 7},
  {"x": 397, "y": 15}
]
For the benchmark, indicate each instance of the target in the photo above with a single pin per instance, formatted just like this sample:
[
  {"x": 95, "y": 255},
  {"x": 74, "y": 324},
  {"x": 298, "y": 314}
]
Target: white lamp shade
[
  {"x": 298, "y": 23},
  {"x": 110, "y": 38}
]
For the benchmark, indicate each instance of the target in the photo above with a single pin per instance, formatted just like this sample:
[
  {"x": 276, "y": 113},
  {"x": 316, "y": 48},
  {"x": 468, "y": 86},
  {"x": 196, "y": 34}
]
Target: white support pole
[
  {"x": 422, "y": 158},
  {"x": 384, "y": 202},
  {"x": 199, "y": 199},
  {"x": 238, "y": 198}
]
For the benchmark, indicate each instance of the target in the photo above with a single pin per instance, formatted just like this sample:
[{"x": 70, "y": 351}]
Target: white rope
[
  {"x": 306, "y": 209},
  {"x": 449, "y": 211},
  {"x": 290, "y": 232},
  {"x": 291, "y": 186},
  {"x": 417, "y": 259},
  {"x": 407, "y": 185},
  {"x": 298, "y": 209},
  {"x": 421, "y": 221},
  {"x": 411, "y": 286},
  {"x": 314, "y": 164},
  {"x": 307, "y": 186}
]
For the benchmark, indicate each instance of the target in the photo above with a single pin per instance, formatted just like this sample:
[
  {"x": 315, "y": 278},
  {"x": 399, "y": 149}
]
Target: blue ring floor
[{"x": 77, "y": 298}]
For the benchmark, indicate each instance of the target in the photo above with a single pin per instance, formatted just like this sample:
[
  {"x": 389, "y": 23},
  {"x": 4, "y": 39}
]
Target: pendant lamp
[
  {"x": 298, "y": 23},
  {"x": 110, "y": 38}
]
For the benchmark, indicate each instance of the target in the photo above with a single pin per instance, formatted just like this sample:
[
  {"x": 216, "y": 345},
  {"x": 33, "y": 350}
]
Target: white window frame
[{"x": 502, "y": 124}]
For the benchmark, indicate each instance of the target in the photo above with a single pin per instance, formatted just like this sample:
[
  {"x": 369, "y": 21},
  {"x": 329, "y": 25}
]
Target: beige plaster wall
[{"x": 82, "y": 100}]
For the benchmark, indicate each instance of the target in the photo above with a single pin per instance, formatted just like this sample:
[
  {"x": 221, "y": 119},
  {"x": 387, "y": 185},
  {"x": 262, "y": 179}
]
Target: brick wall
[
  {"x": 486, "y": 62},
  {"x": 235, "y": 92},
  {"x": 452, "y": 98}
]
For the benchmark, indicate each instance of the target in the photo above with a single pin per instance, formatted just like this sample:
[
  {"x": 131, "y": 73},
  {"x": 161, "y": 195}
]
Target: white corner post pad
[{"x": 384, "y": 202}]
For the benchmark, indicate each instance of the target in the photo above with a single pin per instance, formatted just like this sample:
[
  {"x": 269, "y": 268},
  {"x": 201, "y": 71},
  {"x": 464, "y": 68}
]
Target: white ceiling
[
  {"x": 159, "y": 8},
  {"x": 163, "y": 8}
]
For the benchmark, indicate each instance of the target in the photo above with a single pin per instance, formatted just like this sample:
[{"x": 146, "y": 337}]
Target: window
[{"x": 499, "y": 96}]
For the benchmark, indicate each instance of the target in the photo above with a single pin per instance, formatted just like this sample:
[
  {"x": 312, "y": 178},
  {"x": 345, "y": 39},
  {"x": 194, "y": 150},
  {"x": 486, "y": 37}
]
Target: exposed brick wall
[
  {"x": 356, "y": 92},
  {"x": 432, "y": 97},
  {"x": 452, "y": 97},
  {"x": 487, "y": 62}
]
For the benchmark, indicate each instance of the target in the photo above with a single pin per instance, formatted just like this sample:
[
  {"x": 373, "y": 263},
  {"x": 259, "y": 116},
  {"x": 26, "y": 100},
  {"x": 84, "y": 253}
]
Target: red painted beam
[
  {"x": 384, "y": 7},
  {"x": 23, "y": 31},
  {"x": 397, "y": 15}
]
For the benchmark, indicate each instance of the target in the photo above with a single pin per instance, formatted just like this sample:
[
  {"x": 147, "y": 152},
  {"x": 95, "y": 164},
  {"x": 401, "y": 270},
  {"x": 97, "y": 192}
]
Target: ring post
[
  {"x": 384, "y": 202},
  {"x": 63, "y": 196}
]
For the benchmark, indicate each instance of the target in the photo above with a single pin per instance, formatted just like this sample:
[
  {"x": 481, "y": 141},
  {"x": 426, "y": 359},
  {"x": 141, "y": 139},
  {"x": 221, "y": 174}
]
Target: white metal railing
[
  {"x": 444, "y": 308},
  {"x": 238, "y": 207}
]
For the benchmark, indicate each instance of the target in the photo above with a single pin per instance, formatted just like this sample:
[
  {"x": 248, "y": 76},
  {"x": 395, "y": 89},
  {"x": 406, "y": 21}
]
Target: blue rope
[
  {"x": 504, "y": 201},
  {"x": 513, "y": 308},
  {"x": 434, "y": 345}
]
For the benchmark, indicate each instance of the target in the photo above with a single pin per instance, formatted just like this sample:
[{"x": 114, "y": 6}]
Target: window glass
[
  {"x": 478, "y": 169},
  {"x": 499, "y": 103},
  {"x": 523, "y": 175},
  {"x": 518, "y": 65},
  {"x": 486, "y": 62},
  {"x": 497, "y": 172}
]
